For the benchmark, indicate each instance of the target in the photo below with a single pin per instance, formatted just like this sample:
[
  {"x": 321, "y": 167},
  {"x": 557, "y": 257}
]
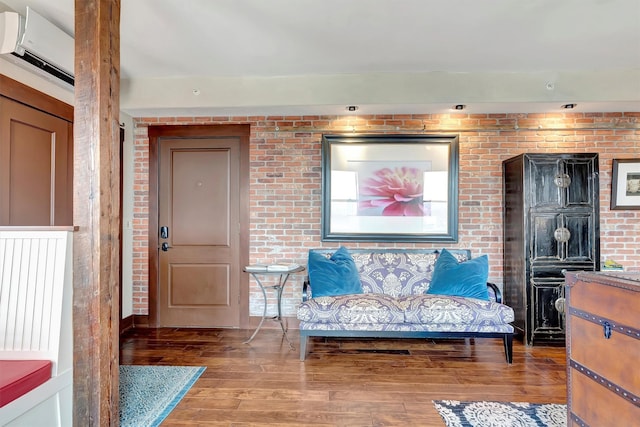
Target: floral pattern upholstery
[
  {"x": 368, "y": 308},
  {"x": 405, "y": 327},
  {"x": 395, "y": 273},
  {"x": 455, "y": 310},
  {"x": 419, "y": 309}
]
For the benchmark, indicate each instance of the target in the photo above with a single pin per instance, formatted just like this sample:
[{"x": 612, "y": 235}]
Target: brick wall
[{"x": 285, "y": 182}]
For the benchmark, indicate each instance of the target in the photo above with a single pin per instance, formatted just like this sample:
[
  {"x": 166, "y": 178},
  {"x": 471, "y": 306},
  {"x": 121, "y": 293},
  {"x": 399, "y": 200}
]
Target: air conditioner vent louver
[{"x": 46, "y": 67}]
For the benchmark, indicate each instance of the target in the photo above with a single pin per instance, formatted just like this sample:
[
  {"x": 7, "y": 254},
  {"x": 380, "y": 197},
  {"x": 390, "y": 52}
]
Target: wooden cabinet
[
  {"x": 603, "y": 348},
  {"x": 36, "y": 158},
  {"x": 551, "y": 224}
]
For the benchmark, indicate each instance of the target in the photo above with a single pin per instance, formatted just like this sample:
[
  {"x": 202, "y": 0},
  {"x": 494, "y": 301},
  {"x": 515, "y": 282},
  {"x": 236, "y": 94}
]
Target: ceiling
[{"x": 203, "y": 57}]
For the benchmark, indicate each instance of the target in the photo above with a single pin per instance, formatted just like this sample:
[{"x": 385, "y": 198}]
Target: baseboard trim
[
  {"x": 142, "y": 321},
  {"x": 126, "y": 323}
]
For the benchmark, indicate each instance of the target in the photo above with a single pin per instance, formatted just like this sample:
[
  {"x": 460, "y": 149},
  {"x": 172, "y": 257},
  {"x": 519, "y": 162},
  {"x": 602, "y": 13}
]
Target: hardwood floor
[{"x": 343, "y": 382}]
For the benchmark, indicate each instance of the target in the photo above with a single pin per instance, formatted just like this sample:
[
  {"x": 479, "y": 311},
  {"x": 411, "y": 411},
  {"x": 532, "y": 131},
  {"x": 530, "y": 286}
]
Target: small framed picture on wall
[{"x": 625, "y": 184}]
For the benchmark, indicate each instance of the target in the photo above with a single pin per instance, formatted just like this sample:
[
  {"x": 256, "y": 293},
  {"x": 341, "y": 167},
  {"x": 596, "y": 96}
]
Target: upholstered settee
[{"x": 397, "y": 299}]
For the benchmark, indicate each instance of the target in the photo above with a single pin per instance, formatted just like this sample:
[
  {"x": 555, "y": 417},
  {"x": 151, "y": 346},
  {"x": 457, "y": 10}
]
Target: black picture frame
[
  {"x": 625, "y": 184},
  {"x": 363, "y": 201}
]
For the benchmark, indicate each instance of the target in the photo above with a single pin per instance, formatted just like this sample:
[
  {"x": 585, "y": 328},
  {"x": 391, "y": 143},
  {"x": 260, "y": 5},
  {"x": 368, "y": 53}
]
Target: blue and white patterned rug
[
  {"x": 149, "y": 393},
  {"x": 501, "y": 414}
]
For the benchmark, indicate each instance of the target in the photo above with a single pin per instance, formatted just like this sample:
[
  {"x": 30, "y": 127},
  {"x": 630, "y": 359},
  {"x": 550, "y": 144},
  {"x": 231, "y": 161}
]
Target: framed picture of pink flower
[{"x": 390, "y": 188}]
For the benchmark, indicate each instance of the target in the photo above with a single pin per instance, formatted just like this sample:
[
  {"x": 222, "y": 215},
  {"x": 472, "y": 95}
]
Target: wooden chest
[{"x": 603, "y": 348}]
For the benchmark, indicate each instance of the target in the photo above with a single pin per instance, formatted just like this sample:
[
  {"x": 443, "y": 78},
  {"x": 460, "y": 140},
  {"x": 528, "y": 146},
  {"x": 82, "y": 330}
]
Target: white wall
[
  {"x": 35, "y": 81},
  {"x": 381, "y": 93},
  {"x": 127, "y": 216}
]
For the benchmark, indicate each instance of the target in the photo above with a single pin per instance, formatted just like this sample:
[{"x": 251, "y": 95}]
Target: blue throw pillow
[
  {"x": 464, "y": 279},
  {"x": 337, "y": 275}
]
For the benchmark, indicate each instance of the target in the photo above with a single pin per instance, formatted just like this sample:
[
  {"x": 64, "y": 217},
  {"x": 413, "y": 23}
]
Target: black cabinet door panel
[
  {"x": 547, "y": 320},
  {"x": 579, "y": 247},
  {"x": 544, "y": 246},
  {"x": 580, "y": 191},
  {"x": 545, "y": 193}
]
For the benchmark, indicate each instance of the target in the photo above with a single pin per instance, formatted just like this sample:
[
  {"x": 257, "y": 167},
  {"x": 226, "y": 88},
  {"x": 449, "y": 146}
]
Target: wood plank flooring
[{"x": 343, "y": 382}]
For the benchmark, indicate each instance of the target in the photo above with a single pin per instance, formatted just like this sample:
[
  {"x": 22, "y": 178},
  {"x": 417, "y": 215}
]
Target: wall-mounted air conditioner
[{"x": 38, "y": 45}]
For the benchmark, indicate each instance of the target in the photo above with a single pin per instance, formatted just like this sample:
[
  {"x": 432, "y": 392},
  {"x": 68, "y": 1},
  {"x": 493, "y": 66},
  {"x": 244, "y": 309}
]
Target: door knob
[
  {"x": 562, "y": 235},
  {"x": 562, "y": 180},
  {"x": 165, "y": 247}
]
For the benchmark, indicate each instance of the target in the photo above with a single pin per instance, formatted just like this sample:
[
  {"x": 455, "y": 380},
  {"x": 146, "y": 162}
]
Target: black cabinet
[{"x": 551, "y": 224}]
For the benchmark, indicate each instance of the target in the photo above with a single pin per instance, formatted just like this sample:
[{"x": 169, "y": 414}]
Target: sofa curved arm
[
  {"x": 496, "y": 291},
  {"x": 306, "y": 289}
]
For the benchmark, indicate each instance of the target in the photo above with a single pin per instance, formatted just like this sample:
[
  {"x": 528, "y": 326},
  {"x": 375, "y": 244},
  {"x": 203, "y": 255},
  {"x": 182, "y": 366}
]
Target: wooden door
[
  {"x": 201, "y": 253},
  {"x": 35, "y": 167}
]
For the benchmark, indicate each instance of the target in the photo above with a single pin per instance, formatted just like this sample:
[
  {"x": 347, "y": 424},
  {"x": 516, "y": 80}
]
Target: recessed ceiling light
[
  {"x": 352, "y": 107},
  {"x": 569, "y": 106},
  {"x": 459, "y": 107}
]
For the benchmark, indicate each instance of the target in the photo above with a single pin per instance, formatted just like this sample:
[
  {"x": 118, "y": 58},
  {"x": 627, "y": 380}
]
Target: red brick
[{"x": 293, "y": 160}]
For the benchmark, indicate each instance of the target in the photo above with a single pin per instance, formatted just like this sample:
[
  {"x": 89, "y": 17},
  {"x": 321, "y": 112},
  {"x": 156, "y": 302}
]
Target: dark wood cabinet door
[
  {"x": 544, "y": 246},
  {"x": 545, "y": 193},
  {"x": 583, "y": 182},
  {"x": 562, "y": 237},
  {"x": 548, "y": 322},
  {"x": 36, "y": 167},
  {"x": 563, "y": 183},
  {"x": 580, "y": 245}
]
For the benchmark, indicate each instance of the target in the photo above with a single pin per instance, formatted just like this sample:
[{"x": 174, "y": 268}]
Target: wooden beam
[{"x": 96, "y": 207}]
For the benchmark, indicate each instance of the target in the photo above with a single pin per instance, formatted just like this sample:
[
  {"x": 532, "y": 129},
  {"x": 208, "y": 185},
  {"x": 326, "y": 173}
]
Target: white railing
[{"x": 36, "y": 319}]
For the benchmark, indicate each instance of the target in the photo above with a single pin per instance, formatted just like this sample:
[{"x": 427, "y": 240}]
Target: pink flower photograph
[
  {"x": 389, "y": 187},
  {"x": 393, "y": 192}
]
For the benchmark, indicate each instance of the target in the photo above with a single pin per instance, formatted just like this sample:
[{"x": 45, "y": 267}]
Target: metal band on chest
[
  {"x": 625, "y": 394},
  {"x": 612, "y": 324}
]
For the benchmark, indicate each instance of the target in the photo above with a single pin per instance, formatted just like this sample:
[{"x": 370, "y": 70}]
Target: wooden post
[{"x": 96, "y": 213}]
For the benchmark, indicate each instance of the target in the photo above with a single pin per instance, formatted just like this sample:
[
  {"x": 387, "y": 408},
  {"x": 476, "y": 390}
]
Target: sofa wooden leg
[
  {"x": 508, "y": 347},
  {"x": 303, "y": 347}
]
